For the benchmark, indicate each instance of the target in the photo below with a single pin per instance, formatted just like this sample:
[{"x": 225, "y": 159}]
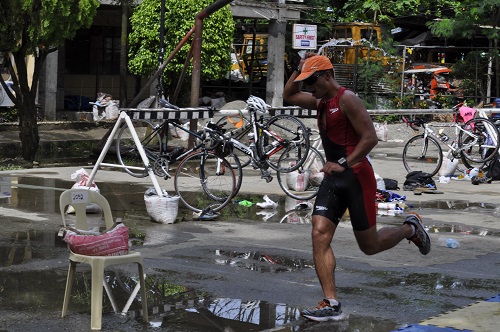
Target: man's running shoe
[
  {"x": 421, "y": 237},
  {"x": 324, "y": 312}
]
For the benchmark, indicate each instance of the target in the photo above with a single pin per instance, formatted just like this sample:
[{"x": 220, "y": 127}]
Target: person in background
[
  {"x": 348, "y": 135},
  {"x": 441, "y": 85}
]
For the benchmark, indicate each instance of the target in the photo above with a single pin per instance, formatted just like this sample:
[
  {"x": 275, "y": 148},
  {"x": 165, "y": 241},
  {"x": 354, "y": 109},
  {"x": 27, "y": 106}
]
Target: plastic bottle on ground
[
  {"x": 448, "y": 242},
  {"x": 388, "y": 206}
]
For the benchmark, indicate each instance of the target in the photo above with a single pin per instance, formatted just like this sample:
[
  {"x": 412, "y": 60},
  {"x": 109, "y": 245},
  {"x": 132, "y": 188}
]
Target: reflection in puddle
[
  {"x": 256, "y": 261},
  {"x": 465, "y": 206},
  {"x": 289, "y": 210},
  {"x": 430, "y": 282},
  {"x": 171, "y": 306},
  {"x": 224, "y": 314},
  {"x": 21, "y": 247},
  {"x": 463, "y": 229}
]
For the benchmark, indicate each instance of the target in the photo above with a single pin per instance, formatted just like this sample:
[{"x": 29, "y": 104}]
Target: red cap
[{"x": 312, "y": 65}]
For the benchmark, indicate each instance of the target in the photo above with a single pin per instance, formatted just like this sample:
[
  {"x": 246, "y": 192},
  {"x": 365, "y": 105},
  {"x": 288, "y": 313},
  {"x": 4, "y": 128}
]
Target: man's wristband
[{"x": 343, "y": 162}]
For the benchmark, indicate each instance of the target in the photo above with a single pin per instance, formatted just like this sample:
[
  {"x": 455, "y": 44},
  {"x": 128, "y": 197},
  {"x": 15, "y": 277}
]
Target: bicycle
[
  {"x": 280, "y": 142},
  {"x": 476, "y": 141},
  {"x": 204, "y": 165},
  {"x": 302, "y": 183}
]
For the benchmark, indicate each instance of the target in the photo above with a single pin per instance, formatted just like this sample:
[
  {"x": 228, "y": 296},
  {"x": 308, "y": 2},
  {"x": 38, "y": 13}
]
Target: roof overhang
[{"x": 266, "y": 10}]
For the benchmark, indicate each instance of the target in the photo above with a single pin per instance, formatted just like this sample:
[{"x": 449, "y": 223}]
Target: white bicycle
[{"x": 303, "y": 183}]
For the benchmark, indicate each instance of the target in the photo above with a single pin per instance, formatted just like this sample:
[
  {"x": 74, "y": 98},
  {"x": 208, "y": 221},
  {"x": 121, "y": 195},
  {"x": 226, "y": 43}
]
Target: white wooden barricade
[
  {"x": 124, "y": 117},
  {"x": 150, "y": 114}
]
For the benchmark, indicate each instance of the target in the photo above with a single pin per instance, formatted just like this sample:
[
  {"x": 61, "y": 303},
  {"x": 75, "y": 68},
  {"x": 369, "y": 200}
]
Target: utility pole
[{"x": 161, "y": 50}]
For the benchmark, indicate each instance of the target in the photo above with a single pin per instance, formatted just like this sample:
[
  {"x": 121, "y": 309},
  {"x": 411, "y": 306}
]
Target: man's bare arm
[
  {"x": 293, "y": 95},
  {"x": 360, "y": 119}
]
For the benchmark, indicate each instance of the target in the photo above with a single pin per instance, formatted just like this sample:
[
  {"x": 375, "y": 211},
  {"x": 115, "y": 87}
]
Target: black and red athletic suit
[{"x": 353, "y": 189}]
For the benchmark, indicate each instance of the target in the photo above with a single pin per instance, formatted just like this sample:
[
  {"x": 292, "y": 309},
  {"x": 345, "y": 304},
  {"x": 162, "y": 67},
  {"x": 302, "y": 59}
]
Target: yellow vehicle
[
  {"x": 358, "y": 31},
  {"x": 354, "y": 41},
  {"x": 250, "y": 62}
]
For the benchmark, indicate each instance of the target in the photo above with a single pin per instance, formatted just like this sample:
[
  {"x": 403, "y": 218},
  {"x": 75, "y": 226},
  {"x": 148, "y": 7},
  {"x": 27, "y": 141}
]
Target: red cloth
[{"x": 112, "y": 243}]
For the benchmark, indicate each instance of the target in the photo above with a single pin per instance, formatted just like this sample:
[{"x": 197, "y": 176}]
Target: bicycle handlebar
[
  {"x": 421, "y": 121},
  {"x": 415, "y": 123}
]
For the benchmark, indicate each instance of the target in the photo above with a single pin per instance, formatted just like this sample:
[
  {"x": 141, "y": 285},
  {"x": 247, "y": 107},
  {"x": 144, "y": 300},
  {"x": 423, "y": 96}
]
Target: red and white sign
[{"x": 305, "y": 36}]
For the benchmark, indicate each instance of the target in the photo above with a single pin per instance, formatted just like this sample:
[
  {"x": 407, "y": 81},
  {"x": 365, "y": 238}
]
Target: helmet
[{"x": 257, "y": 104}]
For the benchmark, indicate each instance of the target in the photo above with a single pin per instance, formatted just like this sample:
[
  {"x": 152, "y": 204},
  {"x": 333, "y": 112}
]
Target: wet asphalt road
[{"x": 243, "y": 259}]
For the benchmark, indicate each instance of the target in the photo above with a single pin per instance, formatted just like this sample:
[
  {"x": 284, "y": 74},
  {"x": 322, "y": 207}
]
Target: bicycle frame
[
  {"x": 254, "y": 126},
  {"x": 257, "y": 128},
  {"x": 161, "y": 130},
  {"x": 454, "y": 144}
]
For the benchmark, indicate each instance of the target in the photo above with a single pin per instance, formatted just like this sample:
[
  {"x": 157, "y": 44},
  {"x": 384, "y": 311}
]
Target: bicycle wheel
[
  {"x": 126, "y": 149},
  {"x": 204, "y": 180},
  {"x": 241, "y": 135},
  {"x": 422, "y": 154},
  {"x": 467, "y": 164},
  {"x": 285, "y": 142},
  {"x": 303, "y": 183},
  {"x": 234, "y": 160},
  {"x": 478, "y": 140}
]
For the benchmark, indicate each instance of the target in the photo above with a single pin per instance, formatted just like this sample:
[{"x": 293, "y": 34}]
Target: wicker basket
[{"x": 162, "y": 209}]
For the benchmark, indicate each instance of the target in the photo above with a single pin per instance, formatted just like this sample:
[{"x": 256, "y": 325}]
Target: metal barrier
[{"x": 208, "y": 113}]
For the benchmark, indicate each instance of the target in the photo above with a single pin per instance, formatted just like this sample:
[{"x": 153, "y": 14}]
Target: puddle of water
[
  {"x": 285, "y": 212},
  {"x": 460, "y": 205},
  {"x": 174, "y": 307},
  {"x": 21, "y": 247},
  {"x": 128, "y": 201},
  {"x": 128, "y": 204},
  {"x": 429, "y": 283},
  {"x": 262, "y": 262}
]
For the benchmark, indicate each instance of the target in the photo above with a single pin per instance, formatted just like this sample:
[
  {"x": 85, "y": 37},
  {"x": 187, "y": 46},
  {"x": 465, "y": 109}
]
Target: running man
[{"x": 348, "y": 136}]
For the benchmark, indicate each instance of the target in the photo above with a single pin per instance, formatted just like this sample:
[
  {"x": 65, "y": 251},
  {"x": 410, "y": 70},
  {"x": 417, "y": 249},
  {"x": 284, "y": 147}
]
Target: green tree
[
  {"x": 35, "y": 28},
  {"x": 468, "y": 18},
  {"x": 144, "y": 39}
]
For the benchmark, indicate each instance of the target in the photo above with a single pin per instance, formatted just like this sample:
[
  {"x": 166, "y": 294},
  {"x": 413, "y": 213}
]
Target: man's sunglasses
[{"x": 312, "y": 79}]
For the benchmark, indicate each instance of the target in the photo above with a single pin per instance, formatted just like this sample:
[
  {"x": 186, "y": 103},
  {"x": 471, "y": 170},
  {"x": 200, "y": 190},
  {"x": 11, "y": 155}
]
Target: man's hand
[
  {"x": 308, "y": 55},
  {"x": 330, "y": 167}
]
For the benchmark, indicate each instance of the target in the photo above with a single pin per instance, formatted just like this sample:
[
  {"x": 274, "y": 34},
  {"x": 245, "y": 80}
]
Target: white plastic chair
[{"x": 79, "y": 199}]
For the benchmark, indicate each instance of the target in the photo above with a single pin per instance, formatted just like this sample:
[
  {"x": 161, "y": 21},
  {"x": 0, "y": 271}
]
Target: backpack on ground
[
  {"x": 391, "y": 184},
  {"x": 494, "y": 169},
  {"x": 418, "y": 179}
]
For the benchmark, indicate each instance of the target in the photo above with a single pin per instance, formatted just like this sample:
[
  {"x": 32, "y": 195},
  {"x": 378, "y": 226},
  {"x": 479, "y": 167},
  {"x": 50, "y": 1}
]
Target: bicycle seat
[
  {"x": 165, "y": 104},
  {"x": 417, "y": 122}
]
